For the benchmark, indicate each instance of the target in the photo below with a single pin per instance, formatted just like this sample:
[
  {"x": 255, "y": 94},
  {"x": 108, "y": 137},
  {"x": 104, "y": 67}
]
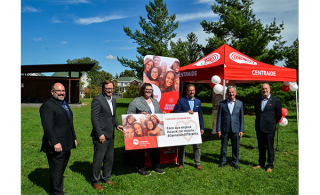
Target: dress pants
[
  {"x": 103, "y": 154},
  {"x": 139, "y": 156},
  {"x": 266, "y": 139},
  {"x": 196, "y": 152},
  {"x": 235, "y": 141},
  {"x": 57, "y": 165}
]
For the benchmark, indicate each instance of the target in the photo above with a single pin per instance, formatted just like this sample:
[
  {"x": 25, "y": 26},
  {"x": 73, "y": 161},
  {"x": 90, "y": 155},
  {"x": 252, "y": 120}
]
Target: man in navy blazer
[
  {"x": 59, "y": 135},
  {"x": 268, "y": 113},
  {"x": 230, "y": 124},
  {"x": 190, "y": 104}
]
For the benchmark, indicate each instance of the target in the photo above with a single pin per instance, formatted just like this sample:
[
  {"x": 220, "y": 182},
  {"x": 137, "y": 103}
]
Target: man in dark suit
[
  {"x": 190, "y": 104},
  {"x": 59, "y": 136},
  {"x": 230, "y": 124},
  {"x": 104, "y": 120},
  {"x": 268, "y": 113}
]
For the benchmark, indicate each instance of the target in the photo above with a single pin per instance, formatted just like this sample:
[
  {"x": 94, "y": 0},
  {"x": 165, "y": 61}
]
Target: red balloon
[
  {"x": 284, "y": 112},
  {"x": 280, "y": 120},
  {"x": 285, "y": 88},
  {"x": 212, "y": 85}
]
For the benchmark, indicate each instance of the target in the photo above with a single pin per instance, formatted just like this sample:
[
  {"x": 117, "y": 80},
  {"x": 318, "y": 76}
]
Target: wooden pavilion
[{"x": 40, "y": 86}]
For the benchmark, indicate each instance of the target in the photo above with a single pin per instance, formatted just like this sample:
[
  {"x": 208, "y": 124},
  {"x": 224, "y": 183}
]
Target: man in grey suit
[
  {"x": 230, "y": 124},
  {"x": 104, "y": 120}
]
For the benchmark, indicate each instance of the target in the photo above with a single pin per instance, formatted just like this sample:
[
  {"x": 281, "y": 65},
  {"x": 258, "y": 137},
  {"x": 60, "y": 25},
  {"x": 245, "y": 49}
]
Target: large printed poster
[
  {"x": 163, "y": 73},
  {"x": 160, "y": 130}
]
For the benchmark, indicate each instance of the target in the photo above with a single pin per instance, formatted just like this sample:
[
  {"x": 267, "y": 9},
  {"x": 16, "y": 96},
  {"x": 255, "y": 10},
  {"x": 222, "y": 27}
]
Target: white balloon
[
  {"x": 284, "y": 122},
  {"x": 294, "y": 87},
  {"x": 215, "y": 79},
  {"x": 287, "y": 83},
  {"x": 218, "y": 89}
]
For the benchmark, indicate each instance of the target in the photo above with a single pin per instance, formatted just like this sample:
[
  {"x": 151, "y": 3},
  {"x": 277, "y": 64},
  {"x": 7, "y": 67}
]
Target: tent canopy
[{"x": 230, "y": 64}]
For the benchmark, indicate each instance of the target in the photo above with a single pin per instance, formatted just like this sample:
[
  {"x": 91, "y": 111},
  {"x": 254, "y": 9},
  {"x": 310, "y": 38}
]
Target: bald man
[
  {"x": 59, "y": 135},
  {"x": 268, "y": 113}
]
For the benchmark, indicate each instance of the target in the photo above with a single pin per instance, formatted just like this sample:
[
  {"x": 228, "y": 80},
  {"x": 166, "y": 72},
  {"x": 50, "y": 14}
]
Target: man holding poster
[
  {"x": 190, "y": 104},
  {"x": 230, "y": 125}
]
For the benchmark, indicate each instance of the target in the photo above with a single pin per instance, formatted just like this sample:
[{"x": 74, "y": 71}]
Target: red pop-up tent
[{"x": 230, "y": 64}]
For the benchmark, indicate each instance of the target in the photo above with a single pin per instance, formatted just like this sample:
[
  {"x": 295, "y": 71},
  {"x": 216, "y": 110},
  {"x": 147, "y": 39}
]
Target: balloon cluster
[
  {"x": 217, "y": 87},
  {"x": 283, "y": 121},
  {"x": 289, "y": 86}
]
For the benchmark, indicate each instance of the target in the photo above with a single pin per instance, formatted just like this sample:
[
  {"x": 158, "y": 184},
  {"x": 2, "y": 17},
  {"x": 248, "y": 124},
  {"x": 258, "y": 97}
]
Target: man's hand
[
  {"x": 58, "y": 147},
  {"x": 202, "y": 131},
  {"x": 190, "y": 112},
  {"x": 163, "y": 112},
  {"x": 75, "y": 142},
  {"x": 120, "y": 128},
  {"x": 219, "y": 133},
  {"x": 102, "y": 139},
  {"x": 240, "y": 134}
]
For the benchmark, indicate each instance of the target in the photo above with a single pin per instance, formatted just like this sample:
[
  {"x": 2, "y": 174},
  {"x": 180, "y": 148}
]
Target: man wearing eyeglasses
[
  {"x": 190, "y": 104},
  {"x": 104, "y": 120},
  {"x": 59, "y": 135}
]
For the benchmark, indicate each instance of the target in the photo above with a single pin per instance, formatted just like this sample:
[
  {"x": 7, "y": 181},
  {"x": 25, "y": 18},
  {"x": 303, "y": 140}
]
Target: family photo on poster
[{"x": 160, "y": 130}]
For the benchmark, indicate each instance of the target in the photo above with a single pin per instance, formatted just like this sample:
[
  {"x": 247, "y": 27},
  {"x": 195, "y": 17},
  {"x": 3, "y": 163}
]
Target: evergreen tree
[
  {"x": 292, "y": 58},
  {"x": 239, "y": 28},
  {"x": 193, "y": 51},
  {"x": 178, "y": 50},
  {"x": 157, "y": 33}
]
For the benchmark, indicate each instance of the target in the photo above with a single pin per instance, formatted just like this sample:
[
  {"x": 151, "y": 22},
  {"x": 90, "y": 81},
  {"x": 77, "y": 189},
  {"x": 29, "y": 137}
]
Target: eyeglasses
[
  {"x": 59, "y": 91},
  {"x": 149, "y": 90},
  {"x": 108, "y": 89}
]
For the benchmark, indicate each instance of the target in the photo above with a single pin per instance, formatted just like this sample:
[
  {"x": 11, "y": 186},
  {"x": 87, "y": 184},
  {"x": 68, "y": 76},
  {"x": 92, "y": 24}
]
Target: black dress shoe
[
  {"x": 236, "y": 166},
  {"x": 221, "y": 165}
]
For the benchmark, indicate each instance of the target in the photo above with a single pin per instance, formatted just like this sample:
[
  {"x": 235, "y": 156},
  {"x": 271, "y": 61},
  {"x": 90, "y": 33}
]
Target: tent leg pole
[
  {"x": 297, "y": 107},
  {"x": 224, "y": 85},
  {"x": 277, "y": 149}
]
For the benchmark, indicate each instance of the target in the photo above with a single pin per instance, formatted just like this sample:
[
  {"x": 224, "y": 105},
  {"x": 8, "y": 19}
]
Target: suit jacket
[
  {"x": 230, "y": 122},
  {"x": 183, "y": 106},
  {"x": 267, "y": 119},
  {"x": 103, "y": 121},
  {"x": 139, "y": 104},
  {"x": 57, "y": 126}
]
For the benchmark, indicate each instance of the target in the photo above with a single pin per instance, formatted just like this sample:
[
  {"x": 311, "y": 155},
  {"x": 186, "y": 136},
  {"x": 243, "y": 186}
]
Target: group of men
[{"x": 59, "y": 135}]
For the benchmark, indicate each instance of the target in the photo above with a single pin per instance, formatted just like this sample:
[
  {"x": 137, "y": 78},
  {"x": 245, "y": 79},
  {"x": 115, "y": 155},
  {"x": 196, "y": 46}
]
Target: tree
[
  {"x": 292, "y": 58},
  {"x": 178, "y": 50},
  {"x": 194, "y": 52},
  {"x": 93, "y": 74},
  {"x": 116, "y": 77},
  {"x": 157, "y": 33},
  {"x": 128, "y": 73},
  {"x": 105, "y": 76},
  {"x": 132, "y": 91},
  {"x": 188, "y": 51},
  {"x": 239, "y": 28}
]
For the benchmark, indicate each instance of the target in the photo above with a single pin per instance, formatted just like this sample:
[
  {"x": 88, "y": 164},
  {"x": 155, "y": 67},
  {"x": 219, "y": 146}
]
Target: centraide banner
[
  {"x": 163, "y": 73},
  {"x": 160, "y": 130}
]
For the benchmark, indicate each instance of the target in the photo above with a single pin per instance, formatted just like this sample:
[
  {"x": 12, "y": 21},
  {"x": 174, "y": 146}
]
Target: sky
[{"x": 53, "y": 31}]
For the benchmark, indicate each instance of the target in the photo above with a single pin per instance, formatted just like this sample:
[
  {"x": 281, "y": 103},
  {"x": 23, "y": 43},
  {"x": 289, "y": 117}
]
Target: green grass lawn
[{"x": 211, "y": 180}]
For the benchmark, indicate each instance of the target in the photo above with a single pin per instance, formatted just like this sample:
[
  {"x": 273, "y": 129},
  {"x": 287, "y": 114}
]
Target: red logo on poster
[{"x": 171, "y": 100}]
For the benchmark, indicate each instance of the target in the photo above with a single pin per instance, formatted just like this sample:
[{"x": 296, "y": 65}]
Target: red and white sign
[
  {"x": 164, "y": 75},
  {"x": 160, "y": 130}
]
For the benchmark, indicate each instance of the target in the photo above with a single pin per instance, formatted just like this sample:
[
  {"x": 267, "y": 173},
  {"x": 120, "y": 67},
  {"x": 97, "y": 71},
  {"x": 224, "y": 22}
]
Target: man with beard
[
  {"x": 268, "y": 113},
  {"x": 59, "y": 136},
  {"x": 104, "y": 120},
  {"x": 190, "y": 104}
]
